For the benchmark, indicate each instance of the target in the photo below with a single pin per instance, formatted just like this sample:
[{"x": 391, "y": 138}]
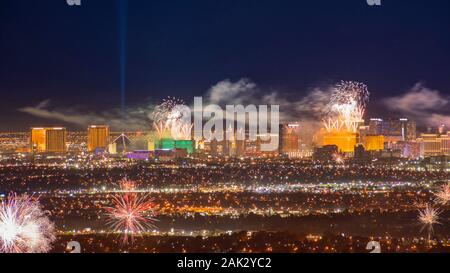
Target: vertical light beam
[{"x": 123, "y": 20}]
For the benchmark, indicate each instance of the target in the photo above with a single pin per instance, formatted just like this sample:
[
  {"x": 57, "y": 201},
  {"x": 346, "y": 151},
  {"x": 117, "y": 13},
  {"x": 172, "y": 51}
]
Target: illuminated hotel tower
[
  {"x": 37, "y": 140},
  {"x": 289, "y": 138},
  {"x": 98, "y": 137},
  {"x": 48, "y": 140}
]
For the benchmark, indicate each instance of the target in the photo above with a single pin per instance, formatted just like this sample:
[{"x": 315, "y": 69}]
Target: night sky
[{"x": 72, "y": 55}]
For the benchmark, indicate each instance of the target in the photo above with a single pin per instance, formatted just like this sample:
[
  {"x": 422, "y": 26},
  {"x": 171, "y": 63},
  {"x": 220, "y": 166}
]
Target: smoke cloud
[
  {"x": 427, "y": 106},
  {"x": 308, "y": 110},
  {"x": 131, "y": 119},
  {"x": 245, "y": 92},
  {"x": 228, "y": 92}
]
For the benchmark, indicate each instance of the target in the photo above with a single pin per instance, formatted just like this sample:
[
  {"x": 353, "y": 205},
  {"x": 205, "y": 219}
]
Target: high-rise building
[
  {"x": 48, "y": 140},
  {"x": 98, "y": 137},
  {"x": 345, "y": 141},
  {"x": 392, "y": 129},
  {"x": 289, "y": 138},
  {"x": 399, "y": 130},
  {"x": 430, "y": 145},
  {"x": 56, "y": 140},
  {"x": 445, "y": 144},
  {"x": 408, "y": 129},
  {"x": 375, "y": 126},
  {"x": 363, "y": 133},
  {"x": 374, "y": 143},
  {"x": 37, "y": 140}
]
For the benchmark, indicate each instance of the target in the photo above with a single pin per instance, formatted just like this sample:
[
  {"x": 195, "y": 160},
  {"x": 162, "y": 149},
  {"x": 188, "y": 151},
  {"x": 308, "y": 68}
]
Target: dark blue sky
[{"x": 71, "y": 55}]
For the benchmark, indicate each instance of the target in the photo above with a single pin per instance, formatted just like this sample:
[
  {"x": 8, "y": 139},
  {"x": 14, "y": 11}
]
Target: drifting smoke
[
  {"x": 131, "y": 119},
  {"x": 245, "y": 92},
  {"x": 309, "y": 110},
  {"x": 427, "y": 106},
  {"x": 227, "y": 92}
]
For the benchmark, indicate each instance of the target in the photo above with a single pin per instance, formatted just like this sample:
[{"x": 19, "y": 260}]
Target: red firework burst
[{"x": 131, "y": 215}]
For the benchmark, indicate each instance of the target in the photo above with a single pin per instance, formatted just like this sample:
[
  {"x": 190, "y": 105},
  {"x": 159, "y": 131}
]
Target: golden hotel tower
[
  {"x": 48, "y": 140},
  {"x": 98, "y": 137}
]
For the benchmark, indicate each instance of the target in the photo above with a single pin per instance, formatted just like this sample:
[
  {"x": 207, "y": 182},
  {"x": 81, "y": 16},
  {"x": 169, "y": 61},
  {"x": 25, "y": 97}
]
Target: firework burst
[
  {"x": 428, "y": 217},
  {"x": 443, "y": 196},
  {"x": 169, "y": 116},
  {"x": 24, "y": 226},
  {"x": 131, "y": 214},
  {"x": 338, "y": 158},
  {"x": 347, "y": 106},
  {"x": 163, "y": 110},
  {"x": 170, "y": 102}
]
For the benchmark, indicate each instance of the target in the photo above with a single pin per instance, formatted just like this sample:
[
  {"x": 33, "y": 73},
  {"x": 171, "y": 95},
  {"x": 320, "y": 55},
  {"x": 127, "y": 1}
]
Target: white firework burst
[
  {"x": 169, "y": 115},
  {"x": 347, "y": 106},
  {"x": 428, "y": 217},
  {"x": 338, "y": 159},
  {"x": 24, "y": 226},
  {"x": 443, "y": 196}
]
